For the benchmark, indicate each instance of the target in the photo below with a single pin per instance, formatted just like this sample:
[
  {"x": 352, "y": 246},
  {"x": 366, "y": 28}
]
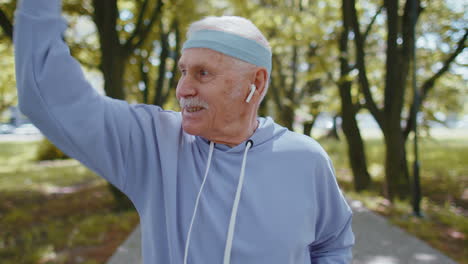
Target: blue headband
[{"x": 232, "y": 45}]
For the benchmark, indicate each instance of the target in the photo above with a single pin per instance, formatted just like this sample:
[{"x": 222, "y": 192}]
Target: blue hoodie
[{"x": 278, "y": 197}]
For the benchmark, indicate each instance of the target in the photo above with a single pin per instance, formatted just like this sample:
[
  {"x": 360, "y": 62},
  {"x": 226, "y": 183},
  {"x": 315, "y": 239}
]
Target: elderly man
[{"x": 212, "y": 184}]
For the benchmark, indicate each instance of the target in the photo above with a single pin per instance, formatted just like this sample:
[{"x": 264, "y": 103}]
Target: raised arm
[{"x": 54, "y": 94}]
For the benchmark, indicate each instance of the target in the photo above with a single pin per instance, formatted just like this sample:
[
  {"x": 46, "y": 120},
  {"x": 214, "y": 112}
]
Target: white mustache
[{"x": 192, "y": 102}]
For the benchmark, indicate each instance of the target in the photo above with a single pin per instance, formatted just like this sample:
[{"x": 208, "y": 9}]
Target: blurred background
[{"x": 382, "y": 85}]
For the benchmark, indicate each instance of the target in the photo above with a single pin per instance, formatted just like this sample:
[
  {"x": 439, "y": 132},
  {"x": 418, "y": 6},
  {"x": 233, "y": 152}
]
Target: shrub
[{"x": 48, "y": 151}]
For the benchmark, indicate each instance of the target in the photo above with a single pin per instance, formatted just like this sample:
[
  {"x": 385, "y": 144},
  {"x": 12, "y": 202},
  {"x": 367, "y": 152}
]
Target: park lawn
[
  {"x": 56, "y": 211},
  {"x": 444, "y": 184}
]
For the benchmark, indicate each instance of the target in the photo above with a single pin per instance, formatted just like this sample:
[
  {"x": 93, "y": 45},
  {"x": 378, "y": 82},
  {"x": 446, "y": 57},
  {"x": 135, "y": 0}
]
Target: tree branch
[
  {"x": 144, "y": 32},
  {"x": 369, "y": 27},
  {"x": 273, "y": 83},
  {"x": 291, "y": 92},
  {"x": 430, "y": 82},
  {"x": 139, "y": 22},
  {"x": 6, "y": 25},
  {"x": 361, "y": 66}
]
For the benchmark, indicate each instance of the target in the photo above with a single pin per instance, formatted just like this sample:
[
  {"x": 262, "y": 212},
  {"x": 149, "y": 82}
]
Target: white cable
[
  {"x": 252, "y": 91},
  {"x": 187, "y": 242},
  {"x": 232, "y": 222}
]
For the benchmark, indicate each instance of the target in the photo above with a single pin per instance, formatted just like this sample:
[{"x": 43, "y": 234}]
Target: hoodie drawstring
[
  {"x": 232, "y": 222},
  {"x": 187, "y": 243}
]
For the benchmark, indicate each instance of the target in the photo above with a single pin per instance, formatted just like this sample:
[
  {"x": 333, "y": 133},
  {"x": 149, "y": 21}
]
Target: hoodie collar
[{"x": 266, "y": 130}]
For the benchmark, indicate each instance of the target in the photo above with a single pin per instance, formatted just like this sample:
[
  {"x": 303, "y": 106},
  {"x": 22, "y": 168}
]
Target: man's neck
[{"x": 249, "y": 132}]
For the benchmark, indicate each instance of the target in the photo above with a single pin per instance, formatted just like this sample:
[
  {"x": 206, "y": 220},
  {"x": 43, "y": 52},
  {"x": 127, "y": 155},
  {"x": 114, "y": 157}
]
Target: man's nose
[{"x": 185, "y": 87}]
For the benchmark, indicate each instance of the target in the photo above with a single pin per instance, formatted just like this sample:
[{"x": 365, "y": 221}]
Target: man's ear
[{"x": 260, "y": 81}]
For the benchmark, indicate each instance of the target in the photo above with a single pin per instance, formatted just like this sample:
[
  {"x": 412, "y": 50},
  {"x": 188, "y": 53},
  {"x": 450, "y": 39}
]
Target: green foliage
[
  {"x": 48, "y": 151},
  {"x": 143, "y": 78},
  {"x": 7, "y": 76},
  {"x": 302, "y": 38},
  {"x": 286, "y": 24}
]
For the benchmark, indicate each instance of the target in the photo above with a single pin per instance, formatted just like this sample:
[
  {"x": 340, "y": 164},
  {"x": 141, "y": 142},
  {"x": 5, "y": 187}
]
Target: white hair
[
  {"x": 235, "y": 25},
  {"x": 232, "y": 24}
]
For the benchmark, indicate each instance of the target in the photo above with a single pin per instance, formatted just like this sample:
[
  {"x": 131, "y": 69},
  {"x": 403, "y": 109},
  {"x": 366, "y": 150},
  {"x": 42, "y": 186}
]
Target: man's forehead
[{"x": 199, "y": 56}]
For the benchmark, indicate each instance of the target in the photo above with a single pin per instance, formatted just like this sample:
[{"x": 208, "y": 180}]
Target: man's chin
[{"x": 191, "y": 129}]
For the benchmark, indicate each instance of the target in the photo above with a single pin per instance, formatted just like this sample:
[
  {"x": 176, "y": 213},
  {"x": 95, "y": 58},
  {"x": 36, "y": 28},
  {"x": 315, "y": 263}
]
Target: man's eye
[{"x": 203, "y": 73}]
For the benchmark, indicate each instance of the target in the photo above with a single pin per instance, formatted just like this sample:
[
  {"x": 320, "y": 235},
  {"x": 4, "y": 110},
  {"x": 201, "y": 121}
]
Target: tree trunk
[
  {"x": 308, "y": 125},
  {"x": 6, "y": 25},
  {"x": 113, "y": 59},
  {"x": 396, "y": 167},
  {"x": 263, "y": 108},
  {"x": 356, "y": 151},
  {"x": 396, "y": 68},
  {"x": 175, "y": 56},
  {"x": 287, "y": 117},
  {"x": 159, "y": 89},
  {"x": 113, "y": 68}
]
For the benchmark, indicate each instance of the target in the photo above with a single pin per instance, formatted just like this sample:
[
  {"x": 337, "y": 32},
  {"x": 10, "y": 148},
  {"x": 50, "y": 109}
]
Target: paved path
[{"x": 377, "y": 242}]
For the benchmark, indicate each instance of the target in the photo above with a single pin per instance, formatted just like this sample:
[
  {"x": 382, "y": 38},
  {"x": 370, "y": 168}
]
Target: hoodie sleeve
[
  {"x": 54, "y": 94},
  {"x": 334, "y": 235}
]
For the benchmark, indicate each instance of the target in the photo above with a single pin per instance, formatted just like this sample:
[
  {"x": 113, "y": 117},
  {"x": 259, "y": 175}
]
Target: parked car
[
  {"x": 6, "y": 129},
  {"x": 27, "y": 129}
]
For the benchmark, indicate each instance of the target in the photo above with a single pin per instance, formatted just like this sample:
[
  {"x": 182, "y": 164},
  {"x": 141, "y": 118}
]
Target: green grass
[
  {"x": 444, "y": 184},
  {"x": 19, "y": 171},
  {"x": 55, "y": 212},
  {"x": 16, "y": 153}
]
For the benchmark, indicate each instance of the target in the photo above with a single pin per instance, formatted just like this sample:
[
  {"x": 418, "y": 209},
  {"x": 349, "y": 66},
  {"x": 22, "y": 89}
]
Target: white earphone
[{"x": 252, "y": 90}]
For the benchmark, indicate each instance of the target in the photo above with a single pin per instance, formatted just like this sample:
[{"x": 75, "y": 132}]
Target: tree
[
  {"x": 389, "y": 114},
  {"x": 350, "y": 108},
  {"x": 152, "y": 70},
  {"x": 295, "y": 36},
  {"x": 158, "y": 75},
  {"x": 302, "y": 47},
  {"x": 116, "y": 44}
]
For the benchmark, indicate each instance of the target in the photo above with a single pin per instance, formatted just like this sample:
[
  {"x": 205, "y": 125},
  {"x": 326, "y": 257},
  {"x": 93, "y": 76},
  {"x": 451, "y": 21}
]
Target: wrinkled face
[{"x": 211, "y": 92}]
